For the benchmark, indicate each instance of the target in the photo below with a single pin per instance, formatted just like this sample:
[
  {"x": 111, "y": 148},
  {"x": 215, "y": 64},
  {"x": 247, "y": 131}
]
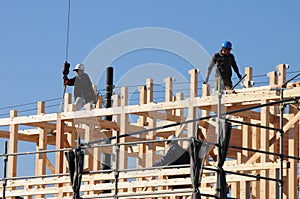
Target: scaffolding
[{"x": 261, "y": 161}]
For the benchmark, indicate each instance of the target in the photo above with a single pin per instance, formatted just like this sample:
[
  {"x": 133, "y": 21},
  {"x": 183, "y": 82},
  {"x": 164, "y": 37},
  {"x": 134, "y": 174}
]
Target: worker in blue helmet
[{"x": 223, "y": 61}]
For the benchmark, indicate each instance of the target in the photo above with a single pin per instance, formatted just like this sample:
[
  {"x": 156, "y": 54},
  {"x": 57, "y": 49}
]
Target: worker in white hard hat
[
  {"x": 176, "y": 155},
  {"x": 83, "y": 90}
]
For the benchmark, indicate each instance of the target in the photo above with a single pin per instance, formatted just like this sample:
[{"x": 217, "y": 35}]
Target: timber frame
[{"x": 61, "y": 130}]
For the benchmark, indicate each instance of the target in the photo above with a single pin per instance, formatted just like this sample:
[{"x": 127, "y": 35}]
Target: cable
[{"x": 68, "y": 30}]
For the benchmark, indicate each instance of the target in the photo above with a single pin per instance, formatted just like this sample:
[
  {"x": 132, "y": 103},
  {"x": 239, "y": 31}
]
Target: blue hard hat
[{"x": 226, "y": 44}]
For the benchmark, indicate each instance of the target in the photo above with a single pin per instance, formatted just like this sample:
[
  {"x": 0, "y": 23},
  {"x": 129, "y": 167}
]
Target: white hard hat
[
  {"x": 79, "y": 67},
  {"x": 171, "y": 138}
]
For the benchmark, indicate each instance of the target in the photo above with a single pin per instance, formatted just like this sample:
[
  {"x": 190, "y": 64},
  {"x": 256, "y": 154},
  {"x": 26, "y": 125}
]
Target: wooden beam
[
  {"x": 193, "y": 83},
  {"x": 60, "y": 139},
  {"x": 13, "y": 146}
]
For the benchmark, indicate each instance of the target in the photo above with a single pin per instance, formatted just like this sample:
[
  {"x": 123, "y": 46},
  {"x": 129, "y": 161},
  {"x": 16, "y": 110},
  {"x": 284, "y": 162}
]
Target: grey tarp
[
  {"x": 198, "y": 151},
  {"x": 75, "y": 159},
  {"x": 223, "y": 144}
]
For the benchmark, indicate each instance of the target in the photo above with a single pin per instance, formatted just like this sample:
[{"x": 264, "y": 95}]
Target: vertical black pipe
[
  {"x": 109, "y": 92},
  {"x": 109, "y": 89},
  {"x": 4, "y": 169}
]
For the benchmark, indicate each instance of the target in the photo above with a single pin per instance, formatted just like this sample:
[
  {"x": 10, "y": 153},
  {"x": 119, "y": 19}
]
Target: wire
[{"x": 68, "y": 30}]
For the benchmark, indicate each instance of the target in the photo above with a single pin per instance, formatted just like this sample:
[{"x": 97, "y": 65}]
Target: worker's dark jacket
[
  {"x": 224, "y": 64},
  {"x": 176, "y": 155},
  {"x": 83, "y": 88}
]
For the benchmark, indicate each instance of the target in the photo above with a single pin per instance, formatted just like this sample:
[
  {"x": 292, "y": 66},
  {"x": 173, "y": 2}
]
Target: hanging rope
[{"x": 68, "y": 30}]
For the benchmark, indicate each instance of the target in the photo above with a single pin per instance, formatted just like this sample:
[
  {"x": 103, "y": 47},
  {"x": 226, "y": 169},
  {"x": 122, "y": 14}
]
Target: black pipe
[{"x": 109, "y": 89}]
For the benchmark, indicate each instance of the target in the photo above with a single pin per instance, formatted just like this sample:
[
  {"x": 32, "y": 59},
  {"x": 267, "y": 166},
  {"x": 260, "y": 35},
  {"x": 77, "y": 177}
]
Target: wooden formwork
[{"x": 141, "y": 180}]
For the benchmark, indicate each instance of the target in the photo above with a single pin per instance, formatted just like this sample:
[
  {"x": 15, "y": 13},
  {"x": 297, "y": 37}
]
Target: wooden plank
[
  {"x": 264, "y": 144},
  {"x": 40, "y": 163},
  {"x": 248, "y": 78},
  {"x": 13, "y": 146},
  {"x": 293, "y": 142},
  {"x": 193, "y": 83},
  {"x": 135, "y": 109},
  {"x": 60, "y": 138}
]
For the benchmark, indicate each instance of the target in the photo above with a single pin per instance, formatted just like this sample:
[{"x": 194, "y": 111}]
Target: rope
[{"x": 68, "y": 30}]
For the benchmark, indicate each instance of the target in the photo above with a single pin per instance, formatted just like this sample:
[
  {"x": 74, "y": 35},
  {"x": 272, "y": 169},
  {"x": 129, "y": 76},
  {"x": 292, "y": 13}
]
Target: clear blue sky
[{"x": 33, "y": 36}]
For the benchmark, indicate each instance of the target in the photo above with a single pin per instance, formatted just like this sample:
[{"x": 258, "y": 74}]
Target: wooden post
[
  {"x": 99, "y": 102},
  {"x": 123, "y": 130},
  {"x": 273, "y": 78},
  {"x": 255, "y": 145},
  {"x": 204, "y": 113},
  {"x": 248, "y": 78},
  {"x": 264, "y": 144},
  {"x": 168, "y": 89},
  {"x": 193, "y": 93},
  {"x": 68, "y": 101},
  {"x": 282, "y": 73},
  {"x": 59, "y": 144},
  {"x": 169, "y": 92},
  {"x": 293, "y": 143},
  {"x": 193, "y": 83},
  {"x": 140, "y": 163},
  {"x": 143, "y": 100},
  {"x": 246, "y": 142},
  {"x": 13, "y": 146},
  {"x": 149, "y": 85},
  {"x": 117, "y": 118},
  {"x": 40, "y": 167}
]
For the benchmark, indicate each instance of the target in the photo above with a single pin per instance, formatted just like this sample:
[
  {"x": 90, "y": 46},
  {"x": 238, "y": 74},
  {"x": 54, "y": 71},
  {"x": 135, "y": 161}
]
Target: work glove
[
  {"x": 239, "y": 76},
  {"x": 66, "y": 80}
]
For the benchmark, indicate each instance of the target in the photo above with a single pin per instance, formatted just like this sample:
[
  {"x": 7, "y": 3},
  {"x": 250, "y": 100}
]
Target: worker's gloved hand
[
  {"x": 66, "y": 68},
  {"x": 239, "y": 76},
  {"x": 66, "y": 80}
]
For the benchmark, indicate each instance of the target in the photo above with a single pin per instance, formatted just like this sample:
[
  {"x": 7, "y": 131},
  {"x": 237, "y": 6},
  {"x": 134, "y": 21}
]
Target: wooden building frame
[{"x": 62, "y": 129}]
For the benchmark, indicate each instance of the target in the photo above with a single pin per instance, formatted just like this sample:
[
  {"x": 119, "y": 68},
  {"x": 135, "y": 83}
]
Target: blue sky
[{"x": 33, "y": 37}]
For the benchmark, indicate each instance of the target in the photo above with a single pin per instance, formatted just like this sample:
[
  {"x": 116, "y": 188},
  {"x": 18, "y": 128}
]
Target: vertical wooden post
[
  {"x": 40, "y": 167},
  {"x": 272, "y": 78},
  {"x": 168, "y": 89},
  {"x": 117, "y": 118},
  {"x": 143, "y": 100},
  {"x": 255, "y": 145},
  {"x": 88, "y": 130},
  {"x": 99, "y": 102},
  {"x": 60, "y": 138},
  {"x": 68, "y": 101},
  {"x": 123, "y": 129},
  {"x": 248, "y": 78},
  {"x": 246, "y": 142},
  {"x": 13, "y": 146},
  {"x": 291, "y": 181},
  {"x": 169, "y": 92},
  {"x": 193, "y": 93},
  {"x": 205, "y": 93},
  {"x": 264, "y": 144},
  {"x": 149, "y": 85},
  {"x": 193, "y": 83},
  {"x": 282, "y": 73},
  {"x": 142, "y": 122}
]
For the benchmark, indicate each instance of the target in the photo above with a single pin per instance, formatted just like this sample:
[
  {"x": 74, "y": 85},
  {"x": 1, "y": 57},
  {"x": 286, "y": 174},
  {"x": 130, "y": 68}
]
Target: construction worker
[
  {"x": 83, "y": 90},
  {"x": 223, "y": 60},
  {"x": 176, "y": 155}
]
